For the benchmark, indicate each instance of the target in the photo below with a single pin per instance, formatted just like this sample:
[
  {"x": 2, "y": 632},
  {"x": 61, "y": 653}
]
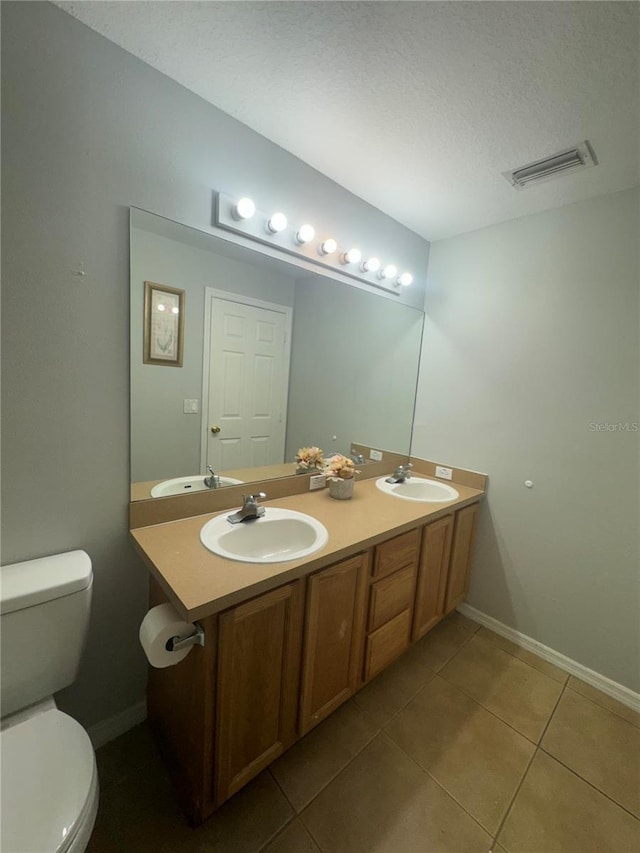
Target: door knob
[{"x": 215, "y": 429}]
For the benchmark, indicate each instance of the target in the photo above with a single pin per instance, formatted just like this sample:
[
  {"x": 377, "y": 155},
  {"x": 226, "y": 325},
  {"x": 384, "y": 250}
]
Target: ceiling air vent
[{"x": 580, "y": 157}]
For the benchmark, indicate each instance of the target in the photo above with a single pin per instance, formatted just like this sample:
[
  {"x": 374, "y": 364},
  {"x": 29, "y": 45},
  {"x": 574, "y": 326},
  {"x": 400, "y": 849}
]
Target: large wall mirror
[{"x": 238, "y": 359}]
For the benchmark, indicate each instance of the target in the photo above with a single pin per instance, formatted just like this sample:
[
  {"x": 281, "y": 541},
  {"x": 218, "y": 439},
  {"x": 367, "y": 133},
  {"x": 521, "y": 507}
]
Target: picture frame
[{"x": 163, "y": 338}]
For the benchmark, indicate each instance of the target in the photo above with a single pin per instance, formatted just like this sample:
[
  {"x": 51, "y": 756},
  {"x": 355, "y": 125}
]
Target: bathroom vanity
[{"x": 287, "y": 643}]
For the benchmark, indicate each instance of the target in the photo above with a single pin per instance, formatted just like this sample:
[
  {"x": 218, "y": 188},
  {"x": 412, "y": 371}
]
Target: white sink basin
[
  {"x": 184, "y": 485},
  {"x": 419, "y": 489},
  {"x": 279, "y": 535}
]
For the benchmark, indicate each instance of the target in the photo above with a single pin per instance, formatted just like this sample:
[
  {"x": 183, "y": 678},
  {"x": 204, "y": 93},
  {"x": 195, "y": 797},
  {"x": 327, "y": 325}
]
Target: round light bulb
[
  {"x": 244, "y": 209},
  {"x": 353, "y": 256},
  {"x": 306, "y": 234},
  {"x": 175, "y": 310},
  {"x": 160, "y": 306},
  {"x": 388, "y": 272},
  {"x": 405, "y": 279},
  {"x": 277, "y": 223},
  {"x": 371, "y": 265},
  {"x": 328, "y": 247}
]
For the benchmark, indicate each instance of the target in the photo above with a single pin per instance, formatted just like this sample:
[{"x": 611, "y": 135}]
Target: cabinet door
[
  {"x": 461, "y": 556},
  {"x": 258, "y": 680},
  {"x": 432, "y": 576},
  {"x": 334, "y": 638}
]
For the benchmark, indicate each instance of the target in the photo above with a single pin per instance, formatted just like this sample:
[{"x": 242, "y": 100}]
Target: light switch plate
[
  {"x": 190, "y": 407},
  {"x": 318, "y": 481},
  {"x": 444, "y": 473},
  {"x": 376, "y": 455}
]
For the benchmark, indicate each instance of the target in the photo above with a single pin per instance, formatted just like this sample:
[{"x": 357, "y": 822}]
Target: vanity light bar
[{"x": 273, "y": 229}]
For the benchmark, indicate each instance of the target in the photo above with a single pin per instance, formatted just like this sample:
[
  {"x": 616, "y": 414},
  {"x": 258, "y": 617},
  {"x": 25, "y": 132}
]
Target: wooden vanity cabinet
[
  {"x": 273, "y": 667},
  {"x": 259, "y": 645},
  {"x": 332, "y": 649},
  {"x": 464, "y": 532},
  {"x": 180, "y": 711},
  {"x": 433, "y": 574}
]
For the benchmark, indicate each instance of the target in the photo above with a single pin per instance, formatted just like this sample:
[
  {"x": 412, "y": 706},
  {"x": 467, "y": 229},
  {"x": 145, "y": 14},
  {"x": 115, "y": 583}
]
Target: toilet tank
[{"x": 44, "y": 615}]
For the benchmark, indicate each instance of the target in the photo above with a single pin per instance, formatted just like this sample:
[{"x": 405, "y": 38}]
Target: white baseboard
[
  {"x": 611, "y": 688},
  {"x": 113, "y": 727}
]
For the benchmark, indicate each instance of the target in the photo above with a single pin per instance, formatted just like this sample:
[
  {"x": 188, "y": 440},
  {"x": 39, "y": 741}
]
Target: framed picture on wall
[{"x": 163, "y": 337}]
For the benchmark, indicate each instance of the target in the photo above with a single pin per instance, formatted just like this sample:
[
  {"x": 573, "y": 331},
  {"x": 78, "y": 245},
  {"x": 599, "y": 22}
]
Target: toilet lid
[{"x": 47, "y": 769}]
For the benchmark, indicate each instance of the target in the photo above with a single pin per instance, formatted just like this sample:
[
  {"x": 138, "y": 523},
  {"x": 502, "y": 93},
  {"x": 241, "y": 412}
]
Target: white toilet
[{"x": 49, "y": 788}]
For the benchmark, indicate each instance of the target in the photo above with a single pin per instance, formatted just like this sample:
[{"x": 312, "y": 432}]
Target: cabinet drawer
[
  {"x": 385, "y": 644},
  {"x": 390, "y": 596},
  {"x": 397, "y": 553}
]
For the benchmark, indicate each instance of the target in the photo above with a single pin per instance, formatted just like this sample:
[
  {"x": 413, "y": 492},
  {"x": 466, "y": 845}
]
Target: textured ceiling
[{"x": 416, "y": 107}]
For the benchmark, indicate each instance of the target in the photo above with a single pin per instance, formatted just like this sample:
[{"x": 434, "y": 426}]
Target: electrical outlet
[
  {"x": 375, "y": 455},
  {"x": 318, "y": 481},
  {"x": 444, "y": 473}
]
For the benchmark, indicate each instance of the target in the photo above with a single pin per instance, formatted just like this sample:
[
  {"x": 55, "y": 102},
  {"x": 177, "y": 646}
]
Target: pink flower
[{"x": 340, "y": 467}]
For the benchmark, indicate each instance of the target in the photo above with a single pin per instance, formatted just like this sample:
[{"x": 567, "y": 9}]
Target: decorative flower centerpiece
[
  {"x": 340, "y": 467},
  {"x": 309, "y": 459},
  {"x": 340, "y": 472}
]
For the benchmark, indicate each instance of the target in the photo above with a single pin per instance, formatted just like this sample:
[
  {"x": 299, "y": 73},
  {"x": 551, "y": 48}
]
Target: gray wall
[
  {"x": 354, "y": 363},
  {"x": 164, "y": 441},
  {"x": 531, "y": 337},
  {"x": 87, "y": 131}
]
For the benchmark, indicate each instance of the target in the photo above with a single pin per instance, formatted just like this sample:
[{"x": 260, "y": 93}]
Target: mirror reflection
[{"x": 274, "y": 358}]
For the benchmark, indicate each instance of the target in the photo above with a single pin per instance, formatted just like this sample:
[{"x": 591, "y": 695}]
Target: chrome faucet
[
  {"x": 212, "y": 482},
  {"x": 401, "y": 474},
  {"x": 249, "y": 509}
]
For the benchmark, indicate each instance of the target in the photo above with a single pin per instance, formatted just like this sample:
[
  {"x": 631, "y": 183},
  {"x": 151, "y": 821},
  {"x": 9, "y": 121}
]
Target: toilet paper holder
[{"x": 174, "y": 644}]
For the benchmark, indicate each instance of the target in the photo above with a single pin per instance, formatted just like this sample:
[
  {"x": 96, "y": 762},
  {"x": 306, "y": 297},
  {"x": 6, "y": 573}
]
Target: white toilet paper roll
[{"x": 160, "y": 624}]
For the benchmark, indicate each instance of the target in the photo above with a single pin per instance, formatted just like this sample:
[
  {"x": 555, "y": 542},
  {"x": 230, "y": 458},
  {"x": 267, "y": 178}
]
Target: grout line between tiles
[
  {"x": 460, "y": 647},
  {"x": 590, "y": 784},
  {"x": 489, "y": 711},
  {"x": 528, "y": 767},
  {"x": 433, "y": 779},
  {"x": 603, "y": 707},
  {"x": 432, "y": 675},
  {"x": 277, "y": 833},
  {"x": 555, "y": 708},
  {"x": 423, "y": 684},
  {"x": 507, "y": 811},
  {"x": 335, "y": 776},
  {"x": 311, "y": 835},
  {"x": 282, "y": 791},
  {"x": 533, "y": 654}
]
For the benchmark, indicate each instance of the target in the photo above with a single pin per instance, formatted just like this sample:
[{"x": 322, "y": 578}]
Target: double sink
[{"x": 285, "y": 534}]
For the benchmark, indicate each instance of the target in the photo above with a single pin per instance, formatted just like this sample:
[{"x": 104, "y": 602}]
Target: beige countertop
[{"x": 199, "y": 583}]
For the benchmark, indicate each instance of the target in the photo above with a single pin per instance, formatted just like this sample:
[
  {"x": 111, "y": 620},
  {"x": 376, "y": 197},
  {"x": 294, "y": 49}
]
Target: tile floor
[{"x": 467, "y": 743}]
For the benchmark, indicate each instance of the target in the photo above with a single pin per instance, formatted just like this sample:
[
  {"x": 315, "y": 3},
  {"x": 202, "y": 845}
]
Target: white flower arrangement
[
  {"x": 309, "y": 458},
  {"x": 340, "y": 467}
]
